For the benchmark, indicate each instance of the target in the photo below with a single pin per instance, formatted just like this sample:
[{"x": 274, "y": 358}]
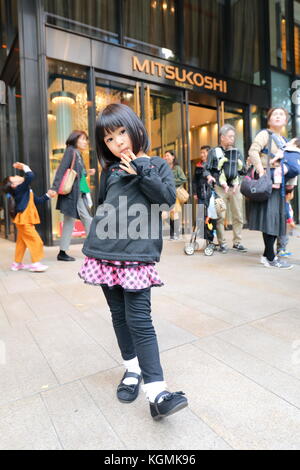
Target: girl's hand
[
  {"x": 51, "y": 193},
  {"x": 18, "y": 165},
  {"x": 91, "y": 172},
  {"x": 125, "y": 162}
]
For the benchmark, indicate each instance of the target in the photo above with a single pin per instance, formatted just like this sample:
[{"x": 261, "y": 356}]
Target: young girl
[
  {"x": 121, "y": 259},
  {"x": 26, "y": 218}
]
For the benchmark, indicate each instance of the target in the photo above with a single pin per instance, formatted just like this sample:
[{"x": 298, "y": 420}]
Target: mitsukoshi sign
[{"x": 179, "y": 76}]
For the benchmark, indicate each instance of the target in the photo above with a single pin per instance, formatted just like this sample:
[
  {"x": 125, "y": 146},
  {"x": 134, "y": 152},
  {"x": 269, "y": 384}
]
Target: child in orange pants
[{"x": 26, "y": 217}]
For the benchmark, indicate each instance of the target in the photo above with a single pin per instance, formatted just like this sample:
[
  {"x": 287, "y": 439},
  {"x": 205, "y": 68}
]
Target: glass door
[{"x": 163, "y": 117}]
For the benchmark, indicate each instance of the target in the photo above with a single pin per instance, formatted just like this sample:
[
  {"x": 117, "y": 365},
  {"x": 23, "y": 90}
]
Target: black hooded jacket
[{"x": 127, "y": 225}]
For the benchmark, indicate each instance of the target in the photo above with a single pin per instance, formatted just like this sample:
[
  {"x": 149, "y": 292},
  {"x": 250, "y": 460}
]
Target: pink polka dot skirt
[{"x": 130, "y": 275}]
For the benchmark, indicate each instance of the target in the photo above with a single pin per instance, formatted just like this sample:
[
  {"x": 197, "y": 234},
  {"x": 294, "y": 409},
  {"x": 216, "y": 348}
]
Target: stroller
[{"x": 206, "y": 223}]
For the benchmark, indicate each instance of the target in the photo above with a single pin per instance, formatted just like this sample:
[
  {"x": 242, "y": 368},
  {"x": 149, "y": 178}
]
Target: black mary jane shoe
[
  {"x": 170, "y": 404},
  {"x": 128, "y": 393}
]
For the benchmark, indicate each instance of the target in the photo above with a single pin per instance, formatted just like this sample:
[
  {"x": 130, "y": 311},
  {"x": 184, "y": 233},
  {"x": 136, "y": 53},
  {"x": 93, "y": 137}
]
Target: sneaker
[
  {"x": 18, "y": 266},
  {"x": 240, "y": 247},
  {"x": 167, "y": 403},
  {"x": 263, "y": 260},
  {"x": 277, "y": 263},
  {"x": 284, "y": 253},
  {"x": 38, "y": 268},
  {"x": 223, "y": 249}
]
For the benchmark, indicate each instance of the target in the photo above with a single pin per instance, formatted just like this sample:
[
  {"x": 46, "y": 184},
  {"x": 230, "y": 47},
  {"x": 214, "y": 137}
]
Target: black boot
[{"x": 62, "y": 256}]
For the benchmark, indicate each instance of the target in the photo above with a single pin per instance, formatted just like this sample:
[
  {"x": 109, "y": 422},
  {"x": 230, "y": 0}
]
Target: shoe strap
[{"x": 131, "y": 374}]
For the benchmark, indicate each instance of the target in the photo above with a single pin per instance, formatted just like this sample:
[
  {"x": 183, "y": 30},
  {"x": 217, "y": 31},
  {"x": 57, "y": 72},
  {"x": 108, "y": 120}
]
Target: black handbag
[{"x": 255, "y": 188}]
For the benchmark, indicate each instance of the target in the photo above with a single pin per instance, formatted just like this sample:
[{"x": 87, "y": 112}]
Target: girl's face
[
  {"x": 82, "y": 143},
  {"x": 118, "y": 141},
  {"x": 16, "y": 180},
  {"x": 278, "y": 118}
]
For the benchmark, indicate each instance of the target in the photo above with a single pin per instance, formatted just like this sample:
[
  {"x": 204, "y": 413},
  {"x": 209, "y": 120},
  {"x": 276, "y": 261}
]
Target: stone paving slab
[
  {"x": 26, "y": 425},
  {"x": 270, "y": 378},
  {"x": 240, "y": 411},
  {"x": 78, "y": 422},
  {"x": 273, "y": 350},
  {"x": 70, "y": 352},
  {"x": 25, "y": 370}
]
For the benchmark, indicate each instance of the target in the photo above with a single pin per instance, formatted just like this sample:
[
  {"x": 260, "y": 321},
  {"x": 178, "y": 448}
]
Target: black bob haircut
[
  {"x": 74, "y": 136},
  {"x": 6, "y": 187},
  {"x": 112, "y": 117}
]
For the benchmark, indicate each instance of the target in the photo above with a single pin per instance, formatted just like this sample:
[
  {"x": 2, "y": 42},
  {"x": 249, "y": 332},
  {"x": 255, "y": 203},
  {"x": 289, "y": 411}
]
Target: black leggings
[
  {"x": 131, "y": 317},
  {"x": 269, "y": 241}
]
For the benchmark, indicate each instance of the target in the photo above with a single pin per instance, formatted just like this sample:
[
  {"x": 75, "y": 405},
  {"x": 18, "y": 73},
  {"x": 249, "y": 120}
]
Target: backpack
[
  {"x": 230, "y": 167},
  {"x": 11, "y": 205}
]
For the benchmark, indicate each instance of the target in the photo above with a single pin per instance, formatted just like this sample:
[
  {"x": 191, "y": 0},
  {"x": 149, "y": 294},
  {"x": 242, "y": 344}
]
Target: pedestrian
[
  {"x": 269, "y": 216},
  {"x": 77, "y": 203},
  {"x": 231, "y": 194},
  {"x": 200, "y": 186},
  {"x": 282, "y": 241},
  {"x": 180, "y": 179},
  {"x": 25, "y": 216},
  {"x": 122, "y": 261}
]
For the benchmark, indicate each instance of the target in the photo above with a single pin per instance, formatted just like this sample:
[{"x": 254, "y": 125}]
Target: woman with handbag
[
  {"x": 268, "y": 216},
  {"x": 74, "y": 202},
  {"x": 181, "y": 194}
]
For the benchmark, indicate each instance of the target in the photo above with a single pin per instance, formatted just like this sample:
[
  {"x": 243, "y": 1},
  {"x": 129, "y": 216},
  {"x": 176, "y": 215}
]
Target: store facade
[{"x": 66, "y": 71}]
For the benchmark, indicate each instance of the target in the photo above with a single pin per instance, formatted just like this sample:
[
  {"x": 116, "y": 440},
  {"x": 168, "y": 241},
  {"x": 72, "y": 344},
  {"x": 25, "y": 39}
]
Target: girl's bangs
[{"x": 109, "y": 123}]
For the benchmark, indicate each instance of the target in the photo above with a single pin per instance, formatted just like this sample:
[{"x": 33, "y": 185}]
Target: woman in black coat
[{"x": 74, "y": 205}]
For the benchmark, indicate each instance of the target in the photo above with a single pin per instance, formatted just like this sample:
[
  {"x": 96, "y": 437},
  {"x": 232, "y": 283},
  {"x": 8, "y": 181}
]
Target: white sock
[
  {"x": 153, "y": 389},
  {"x": 132, "y": 366}
]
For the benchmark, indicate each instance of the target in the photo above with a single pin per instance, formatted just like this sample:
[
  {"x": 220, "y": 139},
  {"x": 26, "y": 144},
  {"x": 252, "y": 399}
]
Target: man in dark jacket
[{"x": 232, "y": 197}]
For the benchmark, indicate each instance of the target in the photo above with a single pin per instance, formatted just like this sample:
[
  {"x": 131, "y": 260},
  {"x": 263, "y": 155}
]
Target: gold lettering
[
  {"x": 188, "y": 77},
  {"x": 178, "y": 78},
  {"x": 218, "y": 84},
  {"x": 160, "y": 67},
  {"x": 152, "y": 69},
  {"x": 225, "y": 87},
  {"x": 141, "y": 68},
  {"x": 198, "y": 83},
  {"x": 170, "y": 72},
  {"x": 208, "y": 83}
]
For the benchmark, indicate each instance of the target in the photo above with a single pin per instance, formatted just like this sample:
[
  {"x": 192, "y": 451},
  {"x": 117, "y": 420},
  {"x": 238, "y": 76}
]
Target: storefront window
[
  {"x": 149, "y": 26},
  {"x": 67, "y": 110},
  {"x": 297, "y": 36},
  {"x": 91, "y": 17},
  {"x": 278, "y": 34},
  {"x": 8, "y": 27},
  {"x": 203, "y": 34},
  {"x": 281, "y": 95},
  {"x": 223, "y": 37}
]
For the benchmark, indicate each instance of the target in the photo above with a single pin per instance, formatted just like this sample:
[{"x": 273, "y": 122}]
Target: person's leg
[
  {"x": 237, "y": 216},
  {"x": 221, "y": 219},
  {"x": 65, "y": 240},
  {"x": 33, "y": 242},
  {"x": 20, "y": 245},
  {"x": 139, "y": 322},
  {"x": 84, "y": 215},
  {"x": 116, "y": 303},
  {"x": 269, "y": 241},
  {"x": 66, "y": 235}
]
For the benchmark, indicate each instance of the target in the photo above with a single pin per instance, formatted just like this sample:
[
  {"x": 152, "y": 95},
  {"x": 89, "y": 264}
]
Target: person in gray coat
[{"x": 76, "y": 204}]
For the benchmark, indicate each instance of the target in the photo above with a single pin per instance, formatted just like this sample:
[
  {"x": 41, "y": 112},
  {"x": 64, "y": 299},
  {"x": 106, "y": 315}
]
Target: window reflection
[{"x": 67, "y": 110}]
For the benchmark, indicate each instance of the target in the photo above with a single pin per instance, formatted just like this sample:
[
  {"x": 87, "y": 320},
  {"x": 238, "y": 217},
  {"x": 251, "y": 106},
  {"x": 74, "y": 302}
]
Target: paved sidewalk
[{"x": 229, "y": 334}]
